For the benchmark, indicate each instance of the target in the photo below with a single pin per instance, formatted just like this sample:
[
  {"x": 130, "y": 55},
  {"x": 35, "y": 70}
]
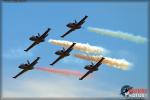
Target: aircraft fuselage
[
  {"x": 36, "y": 39},
  {"x": 73, "y": 26},
  {"x": 26, "y": 67},
  {"x": 29, "y": 66},
  {"x": 62, "y": 53},
  {"x": 91, "y": 68}
]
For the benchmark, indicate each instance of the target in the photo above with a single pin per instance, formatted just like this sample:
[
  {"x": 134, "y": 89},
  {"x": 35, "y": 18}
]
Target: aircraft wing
[
  {"x": 31, "y": 46},
  {"x": 70, "y": 48},
  {"x": 23, "y": 71},
  {"x": 89, "y": 72},
  {"x": 99, "y": 63},
  {"x": 35, "y": 61},
  {"x": 82, "y": 20},
  {"x": 45, "y": 33},
  {"x": 67, "y": 32},
  {"x": 60, "y": 57}
]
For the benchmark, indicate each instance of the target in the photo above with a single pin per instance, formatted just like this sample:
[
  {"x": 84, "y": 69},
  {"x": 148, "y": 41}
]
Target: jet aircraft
[
  {"x": 63, "y": 53},
  {"x": 92, "y": 68},
  {"x": 26, "y": 67},
  {"x": 38, "y": 39},
  {"x": 73, "y": 26}
]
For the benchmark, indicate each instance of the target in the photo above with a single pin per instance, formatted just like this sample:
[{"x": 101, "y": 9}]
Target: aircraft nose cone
[
  {"x": 86, "y": 67},
  {"x": 31, "y": 38},
  {"x": 69, "y": 25},
  {"x": 20, "y": 66},
  {"x": 57, "y": 53}
]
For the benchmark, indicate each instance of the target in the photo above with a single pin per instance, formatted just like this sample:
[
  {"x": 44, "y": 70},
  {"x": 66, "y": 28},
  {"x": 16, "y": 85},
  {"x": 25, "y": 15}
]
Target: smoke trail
[
  {"x": 79, "y": 46},
  {"x": 118, "y": 34},
  {"x": 61, "y": 71},
  {"x": 117, "y": 63}
]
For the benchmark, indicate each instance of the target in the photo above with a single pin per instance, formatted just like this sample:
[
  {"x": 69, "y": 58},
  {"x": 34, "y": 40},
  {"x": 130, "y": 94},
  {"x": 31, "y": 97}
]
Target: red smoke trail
[{"x": 61, "y": 71}]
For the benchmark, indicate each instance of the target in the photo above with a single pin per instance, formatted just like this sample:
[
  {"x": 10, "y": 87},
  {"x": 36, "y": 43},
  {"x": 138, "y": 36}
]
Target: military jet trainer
[
  {"x": 63, "y": 53},
  {"x": 26, "y": 67},
  {"x": 74, "y": 26},
  {"x": 92, "y": 68},
  {"x": 38, "y": 39}
]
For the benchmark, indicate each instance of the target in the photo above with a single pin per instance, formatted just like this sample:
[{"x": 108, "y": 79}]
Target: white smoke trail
[
  {"x": 118, "y": 34},
  {"x": 80, "y": 46},
  {"x": 117, "y": 63}
]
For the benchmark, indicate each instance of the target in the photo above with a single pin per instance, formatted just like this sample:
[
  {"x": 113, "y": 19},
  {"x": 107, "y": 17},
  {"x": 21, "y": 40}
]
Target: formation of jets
[{"x": 62, "y": 53}]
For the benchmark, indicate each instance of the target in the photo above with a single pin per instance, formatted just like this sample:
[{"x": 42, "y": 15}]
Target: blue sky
[{"x": 22, "y": 20}]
